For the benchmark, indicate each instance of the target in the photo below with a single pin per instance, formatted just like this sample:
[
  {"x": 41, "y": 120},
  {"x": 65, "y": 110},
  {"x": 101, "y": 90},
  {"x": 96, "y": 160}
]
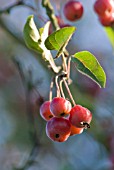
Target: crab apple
[
  {"x": 80, "y": 116},
  {"x": 58, "y": 129},
  {"x": 60, "y": 107},
  {"x": 102, "y": 7},
  {"x": 75, "y": 130},
  {"x": 73, "y": 10},
  {"x": 45, "y": 111},
  {"x": 107, "y": 20}
]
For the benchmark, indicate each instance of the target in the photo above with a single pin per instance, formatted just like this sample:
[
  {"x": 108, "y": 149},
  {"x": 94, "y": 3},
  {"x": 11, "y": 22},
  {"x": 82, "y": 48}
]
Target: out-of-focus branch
[
  {"x": 7, "y": 9},
  {"x": 18, "y": 3},
  {"x": 27, "y": 95},
  {"x": 31, "y": 119},
  {"x": 50, "y": 12}
]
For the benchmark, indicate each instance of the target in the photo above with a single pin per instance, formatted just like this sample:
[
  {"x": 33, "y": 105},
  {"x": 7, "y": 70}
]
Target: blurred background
[{"x": 19, "y": 149}]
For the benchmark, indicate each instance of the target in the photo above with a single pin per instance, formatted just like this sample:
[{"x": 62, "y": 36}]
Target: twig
[
  {"x": 50, "y": 12},
  {"x": 68, "y": 71},
  {"x": 68, "y": 67},
  {"x": 64, "y": 59},
  {"x": 57, "y": 86},
  {"x": 61, "y": 88},
  {"x": 68, "y": 90},
  {"x": 51, "y": 89}
]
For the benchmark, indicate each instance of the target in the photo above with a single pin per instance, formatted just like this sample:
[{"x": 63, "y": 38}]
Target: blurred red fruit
[
  {"x": 103, "y": 7},
  {"x": 73, "y": 10},
  {"x": 107, "y": 20}
]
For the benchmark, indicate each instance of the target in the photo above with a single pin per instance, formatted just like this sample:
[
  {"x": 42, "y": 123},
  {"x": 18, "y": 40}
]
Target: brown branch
[
  {"x": 57, "y": 86},
  {"x": 61, "y": 88},
  {"x": 50, "y": 12},
  {"x": 64, "y": 62},
  {"x": 51, "y": 89}
]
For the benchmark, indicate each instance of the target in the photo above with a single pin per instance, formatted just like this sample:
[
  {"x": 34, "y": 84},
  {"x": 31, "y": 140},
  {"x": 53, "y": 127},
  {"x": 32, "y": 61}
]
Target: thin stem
[
  {"x": 68, "y": 71},
  {"x": 64, "y": 62},
  {"x": 68, "y": 67},
  {"x": 57, "y": 86},
  {"x": 61, "y": 88},
  {"x": 68, "y": 90},
  {"x": 55, "y": 68},
  {"x": 51, "y": 89}
]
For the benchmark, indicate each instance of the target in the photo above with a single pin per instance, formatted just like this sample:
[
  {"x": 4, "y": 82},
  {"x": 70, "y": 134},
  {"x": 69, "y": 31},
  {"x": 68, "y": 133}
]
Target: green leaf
[
  {"x": 32, "y": 35},
  {"x": 59, "y": 39},
  {"x": 46, "y": 54},
  {"x": 44, "y": 34},
  {"x": 110, "y": 33},
  {"x": 87, "y": 64}
]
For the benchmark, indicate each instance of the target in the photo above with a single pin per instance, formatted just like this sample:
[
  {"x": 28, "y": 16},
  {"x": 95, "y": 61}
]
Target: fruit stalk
[
  {"x": 69, "y": 92},
  {"x": 61, "y": 88}
]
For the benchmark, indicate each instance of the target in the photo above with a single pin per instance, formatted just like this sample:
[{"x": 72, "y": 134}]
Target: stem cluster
[{"x": 64, "y": 74}]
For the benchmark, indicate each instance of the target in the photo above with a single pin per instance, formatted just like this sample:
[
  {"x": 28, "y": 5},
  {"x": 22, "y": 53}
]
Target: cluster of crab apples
[
  {"x": 63, "y": 120},
  {"x": 105, "y": 11},
  {"x": 73, "y": 11}
]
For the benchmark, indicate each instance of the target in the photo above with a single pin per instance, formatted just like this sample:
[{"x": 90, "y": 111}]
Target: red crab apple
[
  {"x": 58, "y": 129},
  {"x": 75, "y": 130},
  {"x": 103, "y": 7},
  {"x": 45, "y": 112},
  {"x": 60, "y": 107},
  {"x": 73, "y": 10},
  {"x": 107, "y": 20},
  {"x": 80, "y": 116}
]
